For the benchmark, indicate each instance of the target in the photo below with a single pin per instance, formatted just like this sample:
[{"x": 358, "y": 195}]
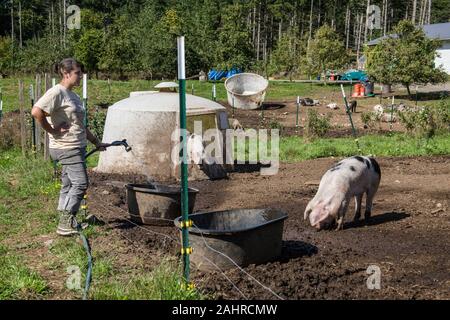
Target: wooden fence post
[
  {"x": 33, "y": 122},
  {"x": 36, "y": 98},
  {"x": 23, "y": 137},
  {"x": 46, "y": 140}
]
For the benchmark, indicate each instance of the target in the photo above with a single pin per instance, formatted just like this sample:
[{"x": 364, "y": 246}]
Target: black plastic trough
[
  {"x": 246, "y": 236},
  {"x": 153, "y": 203}
]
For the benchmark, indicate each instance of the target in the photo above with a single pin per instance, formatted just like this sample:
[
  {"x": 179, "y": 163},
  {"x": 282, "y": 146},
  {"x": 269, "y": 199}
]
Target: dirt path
[{"x": 408, "y": 238}]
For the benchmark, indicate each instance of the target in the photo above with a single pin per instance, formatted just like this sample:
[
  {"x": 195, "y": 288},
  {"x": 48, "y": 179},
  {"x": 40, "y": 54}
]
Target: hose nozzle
[
  {"x": 122, "y": 143},
  {"x": 114, "y": 143}
]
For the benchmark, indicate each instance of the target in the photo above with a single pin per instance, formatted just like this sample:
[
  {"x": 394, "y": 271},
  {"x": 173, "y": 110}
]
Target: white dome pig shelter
[
  {"x": 148, "y": 122},
  {"x": 246, "y": 90}
]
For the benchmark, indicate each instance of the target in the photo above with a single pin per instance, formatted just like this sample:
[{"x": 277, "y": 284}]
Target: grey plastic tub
[
  {"x": 154, "y": 203},
  {"x": 246, "y": 90},
  {"x": 247, "y": 236}
]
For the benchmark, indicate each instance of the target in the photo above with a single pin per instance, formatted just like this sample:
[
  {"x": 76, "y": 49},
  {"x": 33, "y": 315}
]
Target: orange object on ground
[
  {"x": 362, "y": 91},
  {"x": 356, "y": 90}
]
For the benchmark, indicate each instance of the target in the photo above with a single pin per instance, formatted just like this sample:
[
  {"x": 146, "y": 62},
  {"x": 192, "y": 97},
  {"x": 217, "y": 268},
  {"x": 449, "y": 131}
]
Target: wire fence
[
  {"x": 176, "y": 241},
  {"x": 105, "y": 206}
]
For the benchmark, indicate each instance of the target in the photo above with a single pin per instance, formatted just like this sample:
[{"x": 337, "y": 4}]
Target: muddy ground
[{"x": 408, "y": 237}]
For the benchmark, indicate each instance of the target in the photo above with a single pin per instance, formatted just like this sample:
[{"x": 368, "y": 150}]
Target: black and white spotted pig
[{"x": 351, "y": 177}]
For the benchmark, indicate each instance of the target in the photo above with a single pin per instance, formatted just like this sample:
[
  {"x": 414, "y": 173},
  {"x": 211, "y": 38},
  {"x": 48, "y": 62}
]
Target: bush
[
  {"x": 366, "y": 118},
  {"x": 411, "y": 118},
  {"x": 443, "y": 115},
  {"x": 41, "y": 55},
  {"x": 6, "y": 59},
  {"x": 96, "y": 122},
  {"x": 427, "y": 121},
  {"x": 276, "y": 125},
  {"x": 370, "y": 118},
  {"x": 9, "y": 130},
  {"x": 317, "y": 126}
]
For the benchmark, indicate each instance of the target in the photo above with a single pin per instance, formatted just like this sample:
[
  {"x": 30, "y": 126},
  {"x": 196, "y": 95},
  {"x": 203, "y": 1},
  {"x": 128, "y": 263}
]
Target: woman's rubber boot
[{"x": 68, "y": 225}]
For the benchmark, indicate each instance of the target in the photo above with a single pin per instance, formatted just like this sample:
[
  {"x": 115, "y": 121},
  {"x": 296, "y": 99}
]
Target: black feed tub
[
  {"x": 156, "y": 204},
  {"x": 246, "y": 236}
]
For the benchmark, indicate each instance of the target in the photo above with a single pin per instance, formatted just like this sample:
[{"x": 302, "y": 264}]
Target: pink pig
[{"x": 351, "y": 177}]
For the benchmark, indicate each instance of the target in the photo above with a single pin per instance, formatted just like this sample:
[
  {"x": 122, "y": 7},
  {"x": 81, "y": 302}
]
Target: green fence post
[
  {"x": 185, "y": 250},
  {"x": 350, "y": 118}
]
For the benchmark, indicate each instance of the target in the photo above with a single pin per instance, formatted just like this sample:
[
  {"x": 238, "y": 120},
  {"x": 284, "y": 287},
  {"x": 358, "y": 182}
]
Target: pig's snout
[
  {"x": 325, "y": 225},
  {"x": 321, "y": 217},
  {"x": 317, "y": 227}
]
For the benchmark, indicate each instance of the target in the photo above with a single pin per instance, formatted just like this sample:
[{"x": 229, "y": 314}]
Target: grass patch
[
  {"x": 296, "y": 148},
  {"x": 293, "y": 149},
  {"x": 27, "y": 195},
  {"x": 92, "y": 160},
  {"x": 109, "y": 283},
  {"x": 163, "y": 283},
  {"x": 101, "y": 94},
  {"x": 71, "y": 253},
  {"x": 28, "y": 198},
  {"x": 17, "y": 281}
]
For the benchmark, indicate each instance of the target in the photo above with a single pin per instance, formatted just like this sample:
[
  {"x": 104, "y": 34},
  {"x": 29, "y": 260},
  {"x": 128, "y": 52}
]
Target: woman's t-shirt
[{"x": 64, "y": 106}]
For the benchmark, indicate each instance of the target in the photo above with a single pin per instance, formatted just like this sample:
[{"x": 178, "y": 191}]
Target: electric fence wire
[
  {"x": 176, "y": 241},
  {"x": 126, "y": 239},
  {"x": 90, "y": 259},
  {"x": 207, "y": 245},
  {"x": 240, "y": 268},
  {"x": 134, "y": 223}
]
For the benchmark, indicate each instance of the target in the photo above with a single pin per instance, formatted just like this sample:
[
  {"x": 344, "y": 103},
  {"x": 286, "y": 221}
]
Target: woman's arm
[
  {"x": 96, "y": 141},
  {"x": 40, "y": 117},
  {"x": 93, "y": 139}
]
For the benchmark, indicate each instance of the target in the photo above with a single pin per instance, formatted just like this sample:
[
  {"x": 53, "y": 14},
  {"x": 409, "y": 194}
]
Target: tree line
[{"x": 137, "y": 37}]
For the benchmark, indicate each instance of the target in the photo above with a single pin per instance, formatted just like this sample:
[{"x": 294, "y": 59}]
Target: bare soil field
[
  {"x": 407, "y": 238},
  {"x": 284, "y": 113}
]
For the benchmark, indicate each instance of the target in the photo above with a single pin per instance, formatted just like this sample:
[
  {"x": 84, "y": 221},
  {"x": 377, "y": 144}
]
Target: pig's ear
[
  {"x": 306, "y": 214},
  {"x": 317, "y": 216}
]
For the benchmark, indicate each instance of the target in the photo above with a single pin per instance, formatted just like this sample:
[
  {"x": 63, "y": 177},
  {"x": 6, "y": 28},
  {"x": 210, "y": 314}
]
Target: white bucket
[{"x": 248, "y": 90}]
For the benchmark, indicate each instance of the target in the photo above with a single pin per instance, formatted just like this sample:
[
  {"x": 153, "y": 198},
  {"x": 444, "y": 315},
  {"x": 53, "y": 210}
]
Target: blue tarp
[
  {"x": 214, "y": 74},
  {"x": 357, "y": 75}
]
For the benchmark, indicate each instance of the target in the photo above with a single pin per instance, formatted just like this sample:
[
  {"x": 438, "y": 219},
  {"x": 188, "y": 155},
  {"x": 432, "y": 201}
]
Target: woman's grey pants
[{"x": 74, "y": 179}]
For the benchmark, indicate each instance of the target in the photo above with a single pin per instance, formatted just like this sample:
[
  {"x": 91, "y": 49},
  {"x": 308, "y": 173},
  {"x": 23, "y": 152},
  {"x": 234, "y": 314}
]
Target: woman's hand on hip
[{"x": 61, "y": 129}]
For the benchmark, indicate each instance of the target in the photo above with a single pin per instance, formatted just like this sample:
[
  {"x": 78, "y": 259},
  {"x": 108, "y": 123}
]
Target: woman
[{"x": 60, "y": 112}]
